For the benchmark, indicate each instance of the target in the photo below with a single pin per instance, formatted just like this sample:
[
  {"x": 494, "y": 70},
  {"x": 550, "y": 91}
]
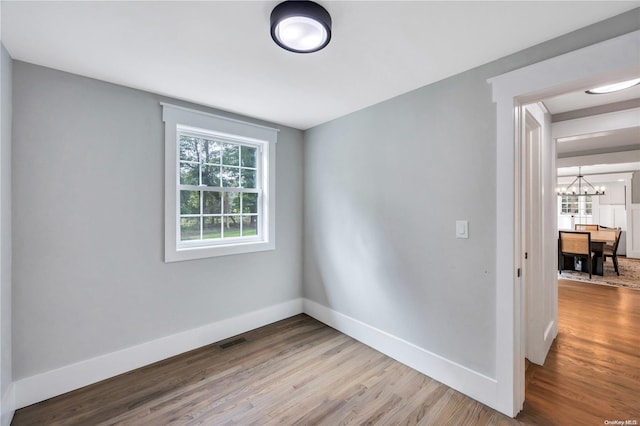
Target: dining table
[
  {"x": 599, "y": 238},
  {"x": 603, "y": 236}
]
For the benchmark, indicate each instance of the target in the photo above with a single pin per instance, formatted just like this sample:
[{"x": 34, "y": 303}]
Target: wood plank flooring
[
  {"x": 592, "y": 372},
  {"x": 299, "y": 371}
]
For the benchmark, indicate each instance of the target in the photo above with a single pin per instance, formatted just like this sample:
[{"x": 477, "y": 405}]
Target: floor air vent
[{"x": 232, "y": 343}]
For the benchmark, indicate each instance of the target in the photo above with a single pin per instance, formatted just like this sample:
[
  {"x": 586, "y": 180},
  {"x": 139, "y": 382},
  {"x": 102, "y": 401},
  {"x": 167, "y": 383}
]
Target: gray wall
[
  {"x": 383, "y": 188},
  {"x": 88, "y": 185},
  {"x": 6, "y": 65},
  {"x": 635, "y": 188}
]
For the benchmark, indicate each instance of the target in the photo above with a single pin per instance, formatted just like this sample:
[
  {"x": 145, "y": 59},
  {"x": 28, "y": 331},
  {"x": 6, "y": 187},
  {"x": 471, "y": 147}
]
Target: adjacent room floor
[
  {"x": 299, "y": 371},
  {"x": 592, "y": 372}
]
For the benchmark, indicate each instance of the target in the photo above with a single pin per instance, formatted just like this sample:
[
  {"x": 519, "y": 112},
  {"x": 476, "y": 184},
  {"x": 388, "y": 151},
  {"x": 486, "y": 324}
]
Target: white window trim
[{"x": 176, "y": 116}]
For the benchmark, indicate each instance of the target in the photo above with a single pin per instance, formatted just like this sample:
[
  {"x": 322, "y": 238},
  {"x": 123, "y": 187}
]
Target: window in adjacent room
[
  {"x": 219, "y": 185},
  {"x": 569, "y": 204},
  {"x": 576, "y": 206}
]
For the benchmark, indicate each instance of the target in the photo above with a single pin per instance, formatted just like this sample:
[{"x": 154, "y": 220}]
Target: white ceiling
[
  {"x": 600, "y": 142},
  {"x": 220, "y": 54},
  {"x": 579, "y": 100},
  {"x": 597, "y": 173}
]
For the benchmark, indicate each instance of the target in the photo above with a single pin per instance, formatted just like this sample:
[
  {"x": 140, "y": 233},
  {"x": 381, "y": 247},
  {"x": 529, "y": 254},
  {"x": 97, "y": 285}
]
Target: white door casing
[
  {"x": 633, "y": 231},
  {"x": 633, "y": 222}
]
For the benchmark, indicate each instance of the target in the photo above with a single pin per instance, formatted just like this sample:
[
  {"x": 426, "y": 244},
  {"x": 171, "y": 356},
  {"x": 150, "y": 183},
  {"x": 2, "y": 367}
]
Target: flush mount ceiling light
[
  {"x": 300, "y": 26},
  {"x": 613, "y": 87}
]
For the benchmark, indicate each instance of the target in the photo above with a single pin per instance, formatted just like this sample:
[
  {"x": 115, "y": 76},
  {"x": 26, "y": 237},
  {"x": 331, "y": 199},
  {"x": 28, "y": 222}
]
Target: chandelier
[{"x": 580, "y": 187}]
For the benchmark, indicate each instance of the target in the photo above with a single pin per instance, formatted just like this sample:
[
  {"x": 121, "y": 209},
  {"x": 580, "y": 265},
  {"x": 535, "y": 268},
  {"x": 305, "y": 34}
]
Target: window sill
[{"x": 191, "y": 253}]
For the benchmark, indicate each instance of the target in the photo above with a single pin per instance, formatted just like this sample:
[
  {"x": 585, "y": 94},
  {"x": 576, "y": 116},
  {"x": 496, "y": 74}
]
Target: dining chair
[
  {"x": 611, "y": 251},
  {"x": 575, "y": 244},
  {"x": 585, "y": 227}
]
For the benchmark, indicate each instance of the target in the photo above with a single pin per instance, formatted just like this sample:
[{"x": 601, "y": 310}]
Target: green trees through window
[{"x": 219, "y": 189}]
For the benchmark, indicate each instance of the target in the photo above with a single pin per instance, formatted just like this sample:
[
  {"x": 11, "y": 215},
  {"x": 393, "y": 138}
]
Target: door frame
[
  {"x": 605, "y": 62},
  {"x": 531, "y": 189}
]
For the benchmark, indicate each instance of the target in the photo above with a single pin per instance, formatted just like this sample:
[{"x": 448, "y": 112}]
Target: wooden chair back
[
  {"x": 575, "y": 242},
  {"x": 610, "y": 250},
  {"x": 615, "y": 245},
  {"x": 611, "y": 233},
  {"x": 585, "y": 227}
]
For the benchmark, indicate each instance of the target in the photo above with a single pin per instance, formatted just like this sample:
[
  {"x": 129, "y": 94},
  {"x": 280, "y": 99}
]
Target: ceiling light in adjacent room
[
  {"x": 580, "y": 187},
  {"x": 613, "y": 87},
  {"x": 300, "y": 26}
]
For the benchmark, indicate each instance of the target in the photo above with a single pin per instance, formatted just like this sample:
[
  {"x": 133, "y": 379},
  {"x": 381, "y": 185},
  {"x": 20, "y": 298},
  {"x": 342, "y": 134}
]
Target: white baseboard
[
  {"x": 56, "y": 382},
  {"x": 8, "y": 405},
  {"x": 469, "y": 382},
  {"x": 33, "y": 389}
]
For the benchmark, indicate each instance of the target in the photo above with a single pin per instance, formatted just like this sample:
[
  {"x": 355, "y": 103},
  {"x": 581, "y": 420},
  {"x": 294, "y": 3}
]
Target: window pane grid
[{"x": 231, "y": 171}]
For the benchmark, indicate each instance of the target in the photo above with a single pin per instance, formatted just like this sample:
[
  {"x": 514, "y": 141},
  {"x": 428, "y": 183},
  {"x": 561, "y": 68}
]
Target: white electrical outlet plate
[{"x": 462, "y": 229}]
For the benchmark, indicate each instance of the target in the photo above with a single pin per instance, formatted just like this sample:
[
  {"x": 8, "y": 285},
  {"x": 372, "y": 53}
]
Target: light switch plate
[{"x": 462, "y": 229}]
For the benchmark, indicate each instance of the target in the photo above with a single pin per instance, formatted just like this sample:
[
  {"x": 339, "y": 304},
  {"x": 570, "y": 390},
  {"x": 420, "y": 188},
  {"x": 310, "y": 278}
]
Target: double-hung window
[{"x": 219, "y": 182}]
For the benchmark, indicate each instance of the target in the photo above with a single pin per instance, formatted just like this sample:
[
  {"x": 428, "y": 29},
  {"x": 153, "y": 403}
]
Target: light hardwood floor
[
  {"x": 592, "y": 372},
  {"x": 299, "y": 371}
]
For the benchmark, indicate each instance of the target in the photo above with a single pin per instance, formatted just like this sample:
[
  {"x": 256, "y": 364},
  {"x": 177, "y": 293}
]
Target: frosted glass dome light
[{"x": 300, "y": 26}]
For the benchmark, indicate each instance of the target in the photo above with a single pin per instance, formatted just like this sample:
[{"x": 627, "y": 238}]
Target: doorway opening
[
  {"x": 570, "y": 131},
  {"x": 604, "y": 62}
]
